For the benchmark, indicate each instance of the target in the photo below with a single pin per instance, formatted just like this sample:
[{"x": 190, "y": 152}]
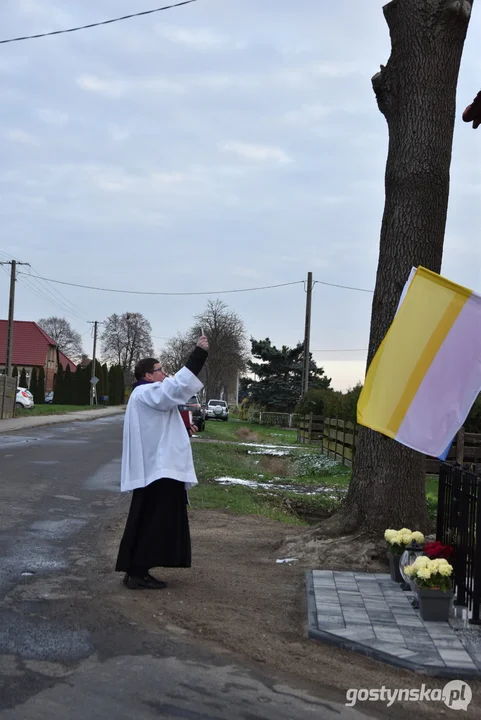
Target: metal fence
[{"x": 459, "y": 525}]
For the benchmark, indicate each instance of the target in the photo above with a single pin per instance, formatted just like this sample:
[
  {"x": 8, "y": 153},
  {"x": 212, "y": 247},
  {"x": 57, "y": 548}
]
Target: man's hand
[
  {"x": 192, "y": 430},
  {"x": 203, "y": 343}
]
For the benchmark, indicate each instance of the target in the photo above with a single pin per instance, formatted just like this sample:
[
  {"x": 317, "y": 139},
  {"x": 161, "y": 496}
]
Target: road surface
[{"x": 68, "y": 648}]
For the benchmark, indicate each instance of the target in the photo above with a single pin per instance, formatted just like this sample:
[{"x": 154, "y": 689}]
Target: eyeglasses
[{"x": 160, "y": 369}]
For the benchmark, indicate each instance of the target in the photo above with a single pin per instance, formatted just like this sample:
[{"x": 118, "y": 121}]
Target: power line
[
  {"x": 63, "y": 297},
  {"x": 142, "y": 292},
  {"x": 46, "y": 292},
  {"x": 96, "y": 24},
  {"x": 343, "y": 287},
  {"x": 341, "y": 350}
]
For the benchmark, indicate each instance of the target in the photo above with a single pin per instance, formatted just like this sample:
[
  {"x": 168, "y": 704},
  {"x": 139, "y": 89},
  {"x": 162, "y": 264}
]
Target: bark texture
[{"x": 416, "y": 92}]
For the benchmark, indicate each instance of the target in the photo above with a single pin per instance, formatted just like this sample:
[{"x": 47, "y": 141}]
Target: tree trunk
[{"x": 416, "y": 92}]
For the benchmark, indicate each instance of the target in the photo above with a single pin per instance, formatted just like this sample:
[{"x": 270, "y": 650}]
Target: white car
[
  {"x": 217, "y": 410},
  {"x": 24, "y": 399}
]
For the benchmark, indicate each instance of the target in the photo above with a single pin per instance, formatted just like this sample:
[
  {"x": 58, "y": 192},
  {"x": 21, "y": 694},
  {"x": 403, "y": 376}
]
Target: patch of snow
[
  {"x": 296, "y": 489},
  {"x": 267, "y": 446},
  {"x": 269, "y": 451},
  {"x": 286, "y": 560}
]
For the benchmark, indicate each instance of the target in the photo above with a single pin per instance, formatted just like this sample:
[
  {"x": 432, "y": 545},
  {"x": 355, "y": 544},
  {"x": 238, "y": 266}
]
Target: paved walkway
[
  {"x": 39, "y": 420},
  {"x": 370, "y": 614}
]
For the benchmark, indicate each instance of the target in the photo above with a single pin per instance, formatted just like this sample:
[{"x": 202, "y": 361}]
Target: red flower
[{"x": 436, "y": 550}]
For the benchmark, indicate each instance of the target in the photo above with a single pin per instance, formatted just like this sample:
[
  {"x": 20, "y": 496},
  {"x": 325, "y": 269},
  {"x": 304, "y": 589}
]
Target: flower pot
[
  {"x": 434, "y": 604},
  {"x": 394, "y": 567}
]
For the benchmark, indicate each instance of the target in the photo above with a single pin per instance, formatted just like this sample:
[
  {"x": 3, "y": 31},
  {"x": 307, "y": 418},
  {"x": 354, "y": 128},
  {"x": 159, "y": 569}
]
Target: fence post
[
  {"x": 477, "y": 559},
  {"x": 460, "y": 447},
  {"x": 309, "y": 431},
  {"x": 344, "y": 442}
]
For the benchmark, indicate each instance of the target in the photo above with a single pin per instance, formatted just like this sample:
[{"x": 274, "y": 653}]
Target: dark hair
[{"x": 144, "y": 366}]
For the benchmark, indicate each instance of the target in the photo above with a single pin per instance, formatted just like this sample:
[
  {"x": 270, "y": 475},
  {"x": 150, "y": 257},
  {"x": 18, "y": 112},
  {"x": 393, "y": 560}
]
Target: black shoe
[{"x": 146, "y": 582}]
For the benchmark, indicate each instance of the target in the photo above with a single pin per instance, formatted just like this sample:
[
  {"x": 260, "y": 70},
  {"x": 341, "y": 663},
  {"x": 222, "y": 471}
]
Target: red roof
[
  {"x": 66, "y": 361},
  {"x": 30, "y": 344}
]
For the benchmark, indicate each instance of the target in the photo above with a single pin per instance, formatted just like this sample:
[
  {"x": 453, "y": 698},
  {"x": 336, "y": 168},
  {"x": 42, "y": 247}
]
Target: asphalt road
[{"x": 69, "y": 649}]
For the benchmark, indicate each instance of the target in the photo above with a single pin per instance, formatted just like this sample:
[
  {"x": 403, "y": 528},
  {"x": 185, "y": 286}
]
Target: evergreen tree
[
  {"x": 23, "y": 379},
  {"x": 121, "y": 386},
  {"x": 68, "y": 381},
  {"x": 81, "y": 385},
  {"x": 33, "y": 381},
  {"x": 113, "y": 385},
  {"x": 105, "y": 380},
  {"x": 279, "y": 383},
  {"x": 39, "y": 396},
  {"x": 58, "y": 392},
  {"x": 15, "y": 371}
]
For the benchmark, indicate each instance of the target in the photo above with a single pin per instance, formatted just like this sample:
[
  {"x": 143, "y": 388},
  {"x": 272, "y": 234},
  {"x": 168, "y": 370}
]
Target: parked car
[
  {"x": 217, "y": 410},
  {"x": 24, "y": 399},
  {"x": 198, "y": 413},
  {"x": 49, "y": 397}
]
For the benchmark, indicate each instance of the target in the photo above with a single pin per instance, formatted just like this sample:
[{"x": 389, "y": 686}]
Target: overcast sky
[{"x": 226, "y": 144}]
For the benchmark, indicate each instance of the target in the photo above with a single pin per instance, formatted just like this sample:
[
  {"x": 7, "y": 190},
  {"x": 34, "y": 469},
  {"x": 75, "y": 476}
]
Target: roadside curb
[{"x": 28, "y": 423}]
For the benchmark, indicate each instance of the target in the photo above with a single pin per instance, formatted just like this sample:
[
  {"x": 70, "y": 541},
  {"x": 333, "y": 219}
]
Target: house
[{"x": 32, "y": 347}]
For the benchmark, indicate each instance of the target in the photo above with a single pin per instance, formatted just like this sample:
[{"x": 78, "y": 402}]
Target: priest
[{"x": 157, "y": 465}]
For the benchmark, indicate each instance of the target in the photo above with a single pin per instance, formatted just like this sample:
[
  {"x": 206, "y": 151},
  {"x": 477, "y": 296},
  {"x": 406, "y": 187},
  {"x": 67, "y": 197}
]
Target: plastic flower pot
[
  {"x": 434, "y": 604},
  {"x": 394, "y": 567}
]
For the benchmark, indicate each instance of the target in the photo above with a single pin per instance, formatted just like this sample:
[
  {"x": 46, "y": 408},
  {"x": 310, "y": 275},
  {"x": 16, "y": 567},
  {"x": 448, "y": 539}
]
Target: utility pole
[
  {"x": 11, "y": 308},
  {"x": 307, "y": 336},
  {"x": 93, "y": 379}
]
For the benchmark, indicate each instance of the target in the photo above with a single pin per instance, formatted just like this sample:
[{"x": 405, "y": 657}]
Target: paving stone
[
  {"x": 371, "y": 610},
  {"x": 388, "y": 637},
  {"x": 447, "y": 643},
  {"x": 455, "y": 656},
  {"x": 365, "y": 633},
  {"x": 329, "y": 619},
  {"x": 390, "y": 648},
  {"x": 343, "y": 573}
]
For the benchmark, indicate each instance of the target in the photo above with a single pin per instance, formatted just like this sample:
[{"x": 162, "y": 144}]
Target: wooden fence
[{"x": 338, "y": 439}]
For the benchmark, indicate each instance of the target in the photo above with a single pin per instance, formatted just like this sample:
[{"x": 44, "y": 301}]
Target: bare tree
[
  {"x": 416, "y": 93},
  {"x": 68, "y": 340},
  {"x": 176, "y": 351},
  {"x": 125, "y": 340},
  {"x": 228, "y": 352}
]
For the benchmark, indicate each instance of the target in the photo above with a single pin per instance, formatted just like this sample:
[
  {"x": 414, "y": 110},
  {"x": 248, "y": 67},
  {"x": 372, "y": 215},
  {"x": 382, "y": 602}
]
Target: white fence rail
[{"x": 277, "y": 419}]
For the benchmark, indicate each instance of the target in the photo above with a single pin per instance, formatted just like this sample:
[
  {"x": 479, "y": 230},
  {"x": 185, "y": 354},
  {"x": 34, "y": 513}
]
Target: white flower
[
  {"x": 445, "y": 570},
  {"x": 406, "y": 537},
  {"x": 418, "y": 537},
  {"x": 424, "y": 573},
  {"x": 421, "y": 562},
  {"x": 409, "y": 570},
  {"x": 405, "y": 530},
  {"x": 389, "y": 534}
]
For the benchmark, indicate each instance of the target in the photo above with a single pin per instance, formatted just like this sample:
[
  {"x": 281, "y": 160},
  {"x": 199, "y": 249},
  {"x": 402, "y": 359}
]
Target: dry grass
[
  {"x": 246, "y": 435},
  {"x": 278, "y": 466}
]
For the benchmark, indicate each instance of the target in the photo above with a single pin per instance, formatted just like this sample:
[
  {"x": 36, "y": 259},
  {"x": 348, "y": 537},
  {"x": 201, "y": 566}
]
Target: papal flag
[{"x": 426, "y": 374}]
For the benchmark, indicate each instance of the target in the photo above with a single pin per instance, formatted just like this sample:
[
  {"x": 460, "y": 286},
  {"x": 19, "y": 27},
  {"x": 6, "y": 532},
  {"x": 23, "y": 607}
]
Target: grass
[
  {"x": 240, "y": 431},
  {"x": 51, "y": 410},
  {"x": 302, "y": 468}
]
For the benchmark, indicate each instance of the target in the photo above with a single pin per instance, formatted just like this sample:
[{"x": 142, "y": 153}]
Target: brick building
[{"x": 32, "y": 347}]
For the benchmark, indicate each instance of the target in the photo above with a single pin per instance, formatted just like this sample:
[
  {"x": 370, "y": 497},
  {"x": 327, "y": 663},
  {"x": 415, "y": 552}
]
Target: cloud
[
  {"x": 117, "y": 87},
  {"x": 118, "y": 133},
  {"x": 21, "y": 136},
  {"x": 199, "y": 38},
  {"x": 337, "y": 69},
  {"x": 52, "y": 117},
  {"x": 260, "y": 153},
  {"x": 307, "y": 114}
]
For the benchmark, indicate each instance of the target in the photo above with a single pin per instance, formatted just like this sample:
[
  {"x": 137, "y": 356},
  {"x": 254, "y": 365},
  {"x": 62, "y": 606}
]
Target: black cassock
[{"x": 157, "y": 530}]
